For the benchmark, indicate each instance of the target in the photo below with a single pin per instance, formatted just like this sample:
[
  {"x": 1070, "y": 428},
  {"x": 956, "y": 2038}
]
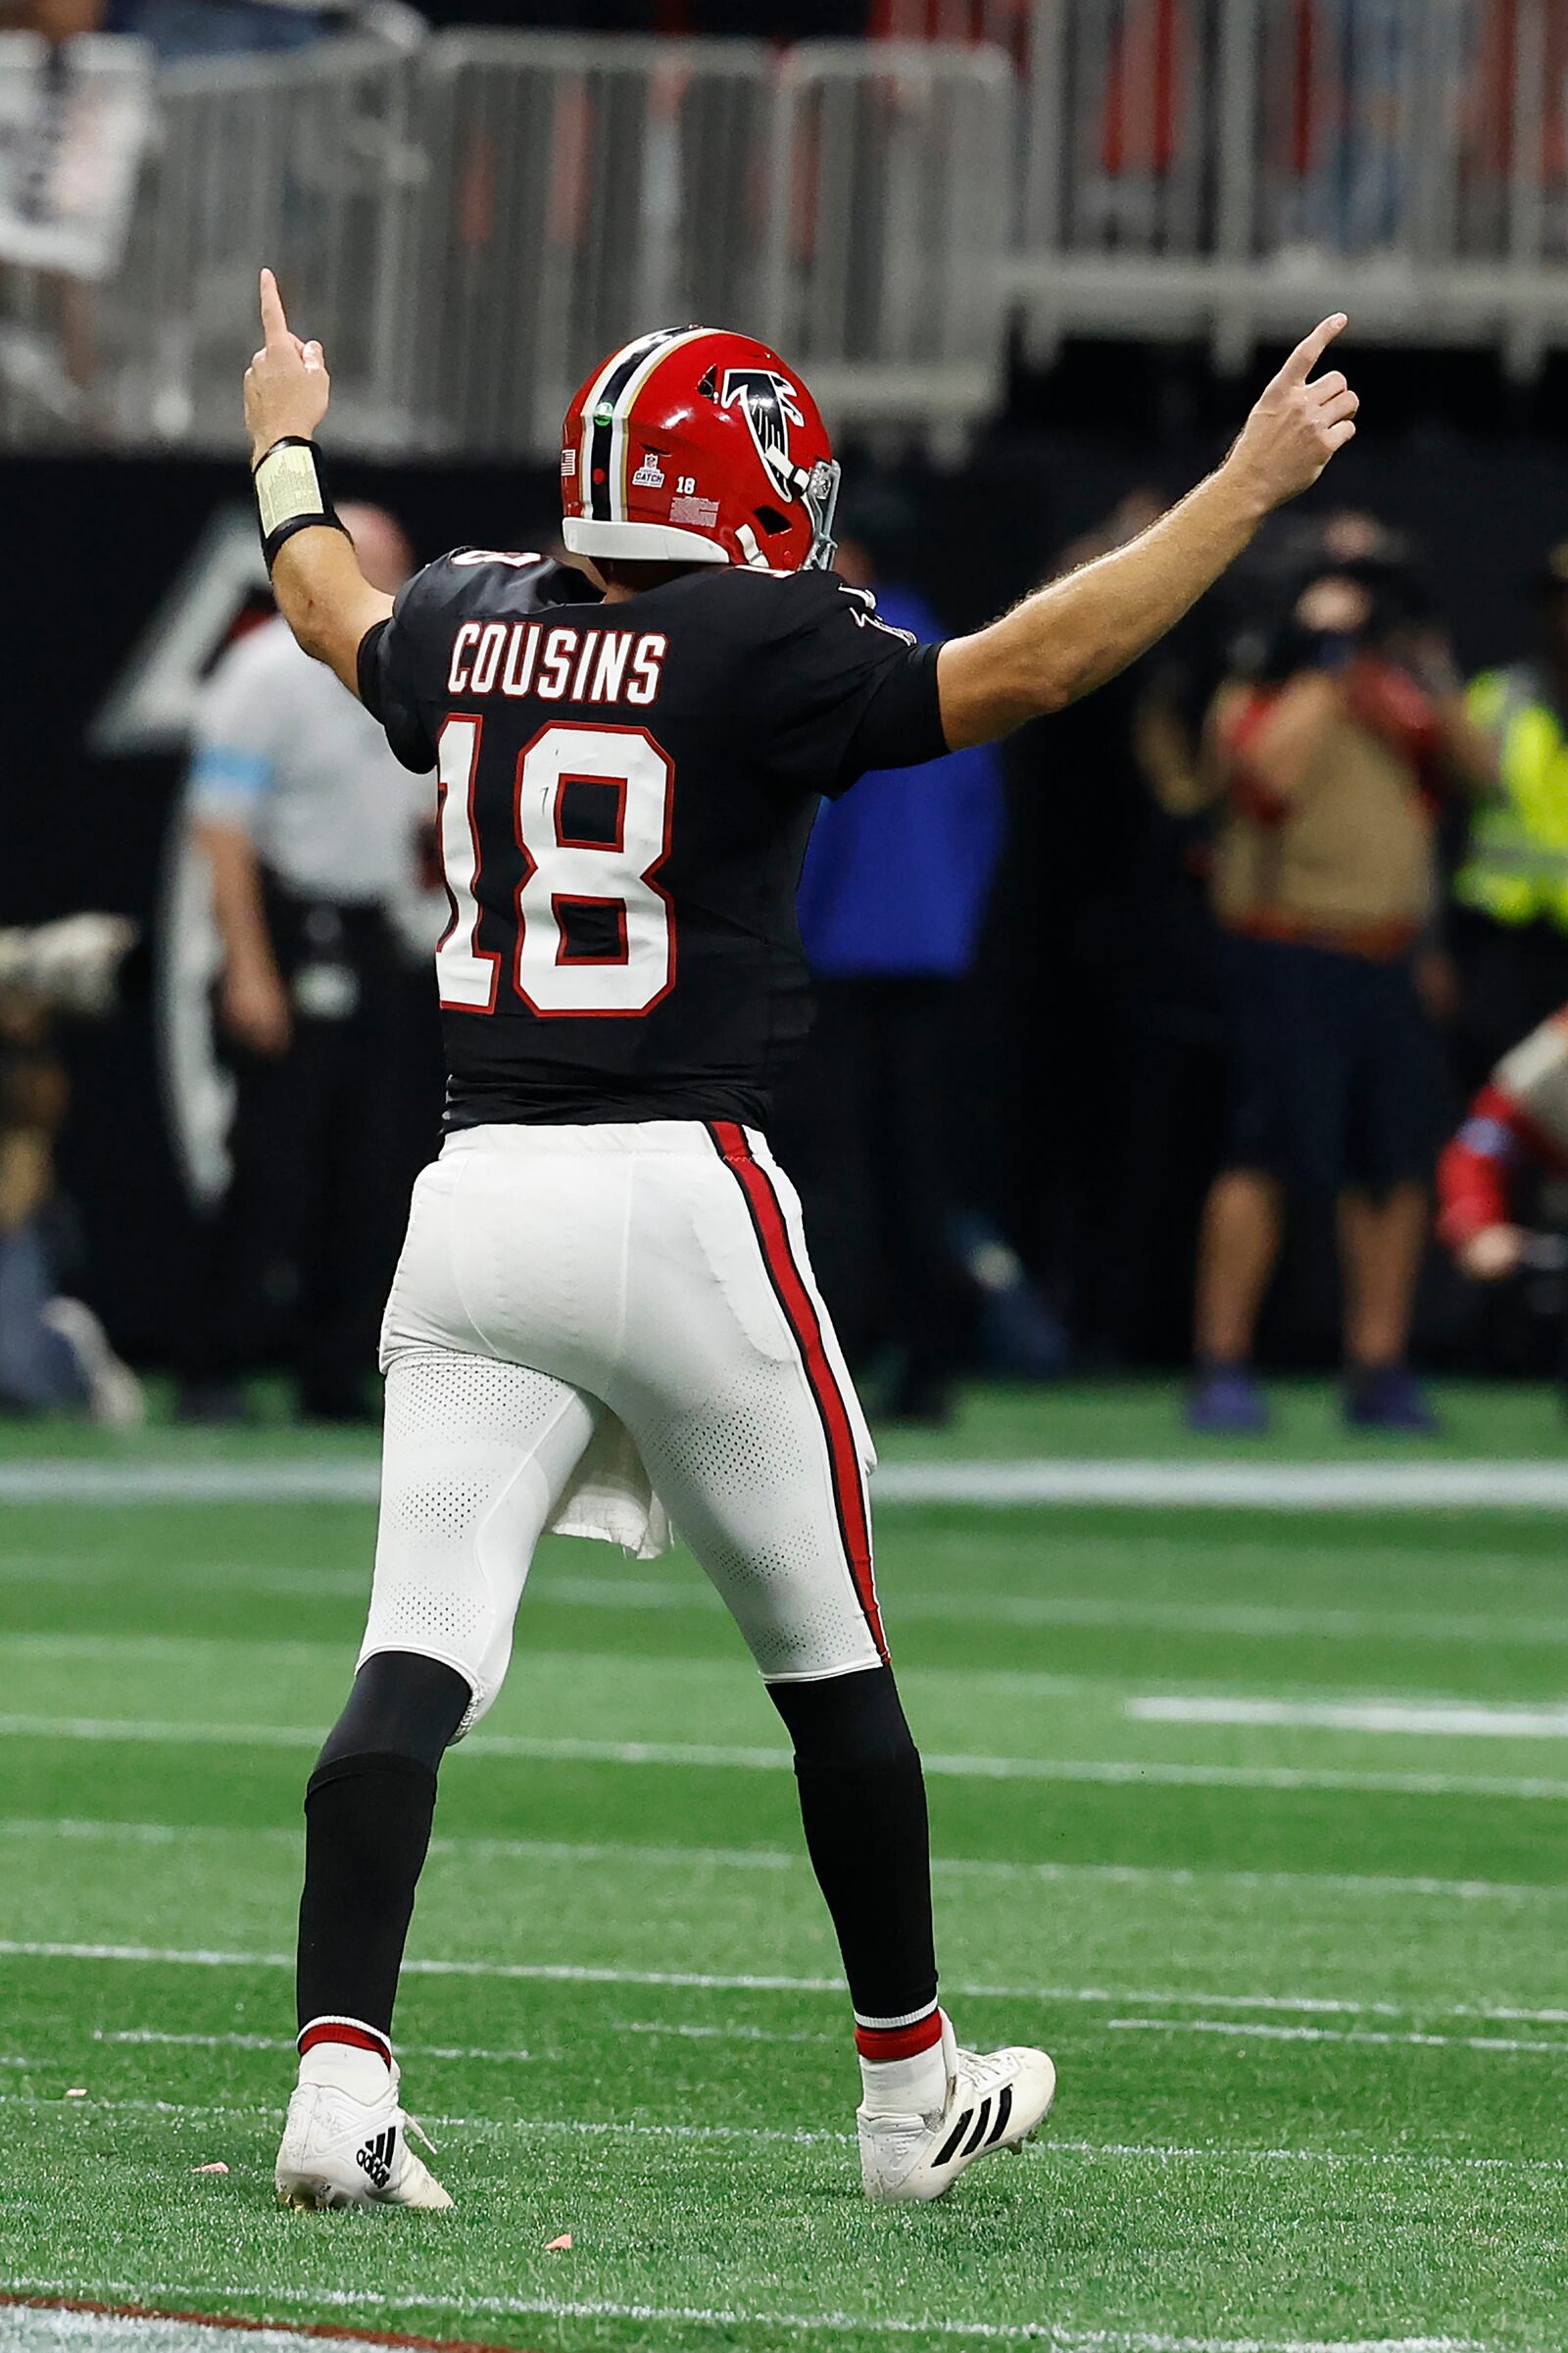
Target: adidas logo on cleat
[
  {"x": 375, "y": 2158},
  {"x": 978, "y": 2128}
]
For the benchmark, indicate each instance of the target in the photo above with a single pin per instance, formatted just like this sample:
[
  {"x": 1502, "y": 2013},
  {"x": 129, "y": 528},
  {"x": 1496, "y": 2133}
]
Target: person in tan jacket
[{"x": 1324, "y": 880}]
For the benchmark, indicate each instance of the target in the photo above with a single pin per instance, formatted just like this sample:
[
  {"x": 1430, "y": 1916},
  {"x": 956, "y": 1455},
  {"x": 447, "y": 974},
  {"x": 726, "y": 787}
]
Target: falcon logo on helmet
[
  {"x": 693, "y": 446},
  {"x": 770, "y": 406}
]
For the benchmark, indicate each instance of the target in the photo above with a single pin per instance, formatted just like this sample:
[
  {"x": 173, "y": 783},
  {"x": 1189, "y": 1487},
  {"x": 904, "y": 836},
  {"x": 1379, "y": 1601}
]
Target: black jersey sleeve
[
  {"x": 845, "y": 691},
  {"x": 403, "y": 660}
]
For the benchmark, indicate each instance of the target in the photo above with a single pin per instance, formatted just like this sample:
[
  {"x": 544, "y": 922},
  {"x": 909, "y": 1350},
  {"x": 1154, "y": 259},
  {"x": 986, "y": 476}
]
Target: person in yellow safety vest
[{"x": 1510, "y": 927}]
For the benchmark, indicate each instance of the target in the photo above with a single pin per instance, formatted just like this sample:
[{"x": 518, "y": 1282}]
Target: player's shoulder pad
[
  {"x": 492, "y": 580},
  {"x": 802, "y": 603}
]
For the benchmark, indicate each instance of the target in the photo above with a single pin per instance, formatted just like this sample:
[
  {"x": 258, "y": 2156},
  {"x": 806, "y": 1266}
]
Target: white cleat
[
  {"x": 339, "y": 2151},
  {"x": 996, "y": 2100}
]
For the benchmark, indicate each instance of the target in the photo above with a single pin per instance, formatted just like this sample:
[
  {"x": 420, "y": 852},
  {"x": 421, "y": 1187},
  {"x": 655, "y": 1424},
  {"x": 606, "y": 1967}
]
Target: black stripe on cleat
[
  {"x": 977, "y": 2137},
  {"x": 949, "y": 2147},
  {"x": 1003, "y": 2111}
]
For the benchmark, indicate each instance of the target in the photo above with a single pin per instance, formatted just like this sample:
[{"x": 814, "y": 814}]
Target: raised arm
[
  {"x": 1071, "y": 636},
  {"x": 322, "y": 592}
]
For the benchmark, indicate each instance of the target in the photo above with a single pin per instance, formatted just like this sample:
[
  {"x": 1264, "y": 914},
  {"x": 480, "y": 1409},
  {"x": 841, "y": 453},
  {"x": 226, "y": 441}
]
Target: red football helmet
[{"x": 692, "y": 446}]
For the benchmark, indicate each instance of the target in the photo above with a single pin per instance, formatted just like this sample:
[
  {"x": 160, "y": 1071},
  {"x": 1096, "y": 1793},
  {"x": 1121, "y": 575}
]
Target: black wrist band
[{"x": 291, "y": 494}]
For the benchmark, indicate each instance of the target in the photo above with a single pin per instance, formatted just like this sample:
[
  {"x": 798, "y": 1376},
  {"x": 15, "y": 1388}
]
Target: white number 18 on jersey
[{"x": 612, "y": 876}]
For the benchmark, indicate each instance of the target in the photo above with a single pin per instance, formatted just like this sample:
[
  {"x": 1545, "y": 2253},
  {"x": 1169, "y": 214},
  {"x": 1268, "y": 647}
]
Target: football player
[{"x": 604, "y": 1313}]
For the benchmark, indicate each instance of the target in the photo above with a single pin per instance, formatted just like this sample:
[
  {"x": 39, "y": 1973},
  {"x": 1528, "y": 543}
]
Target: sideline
[
  {"x": 252, "y": 2336},
  {"x": 1133, "y": 1485}
]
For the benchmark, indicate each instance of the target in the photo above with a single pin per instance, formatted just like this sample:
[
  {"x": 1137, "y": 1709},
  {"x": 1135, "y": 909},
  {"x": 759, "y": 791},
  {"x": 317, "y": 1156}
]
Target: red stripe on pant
[{"x": 799, "y": 1308}]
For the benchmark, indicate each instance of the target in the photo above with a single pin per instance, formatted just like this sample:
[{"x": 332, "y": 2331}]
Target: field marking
[
  {"x": 1106, "y": 1686},
  {"x": 1240, "y": 1619},
  {"x": 689, "y": 1594},
  {"x": 1118, "y": 1771},
  {"x": 142, "y": 2038},
  {"x": 573, "y": 1972},
  {"x": 479, "y": 1847},
  {"x": 1251, "y": 2030},
  {"x": 1053, "y": 2336},
  {"x": 1451, "y": 1719},
  {"x": 1130, "y": 1483}
]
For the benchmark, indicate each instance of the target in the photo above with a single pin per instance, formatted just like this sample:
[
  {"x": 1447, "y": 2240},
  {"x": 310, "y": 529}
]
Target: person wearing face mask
[{"x": 1331, "y": 762}]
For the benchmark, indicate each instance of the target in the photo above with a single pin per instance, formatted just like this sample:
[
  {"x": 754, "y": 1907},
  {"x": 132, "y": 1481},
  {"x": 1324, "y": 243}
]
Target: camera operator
[{"x": 1333, "y": 757}]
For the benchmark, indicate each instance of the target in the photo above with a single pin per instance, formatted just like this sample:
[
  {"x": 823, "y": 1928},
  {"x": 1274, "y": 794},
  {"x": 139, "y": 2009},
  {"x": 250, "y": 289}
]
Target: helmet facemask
[{"x": 822, "y": 497}]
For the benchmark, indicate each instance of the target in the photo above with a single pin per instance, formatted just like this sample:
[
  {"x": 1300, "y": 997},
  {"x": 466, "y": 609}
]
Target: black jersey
[{"x": 626, "y": 789}]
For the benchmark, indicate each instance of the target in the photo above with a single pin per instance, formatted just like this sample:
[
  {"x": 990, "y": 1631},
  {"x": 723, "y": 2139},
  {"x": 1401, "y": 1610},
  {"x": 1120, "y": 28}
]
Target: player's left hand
[
  {"x": 286, "y": 384},
  {"x": 1299, "y": 423}
]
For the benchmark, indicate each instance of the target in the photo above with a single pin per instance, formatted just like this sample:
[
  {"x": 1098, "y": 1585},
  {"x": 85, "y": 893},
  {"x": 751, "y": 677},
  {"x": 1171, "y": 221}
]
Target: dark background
[{"x": 1084, "y": 1106}]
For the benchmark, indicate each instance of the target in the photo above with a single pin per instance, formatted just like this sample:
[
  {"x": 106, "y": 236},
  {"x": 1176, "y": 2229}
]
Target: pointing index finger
[
  {"x": 1306, "y": 355},
  {"x": 274, "y": 326}
]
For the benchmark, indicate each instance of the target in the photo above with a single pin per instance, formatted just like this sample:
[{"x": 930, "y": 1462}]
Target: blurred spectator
[
  {"x": 54, "y": 1352},
  {"x": 1510, "y": 930},
  {"x": 312, "y": 831},
  {"x": 890, "y": 905},
  {"x": 1324, "y": 881},
  {"x": 1518, "y": 1120},
  {"x": 186, "y": 29},
  {"x": 75, "y": 116}
]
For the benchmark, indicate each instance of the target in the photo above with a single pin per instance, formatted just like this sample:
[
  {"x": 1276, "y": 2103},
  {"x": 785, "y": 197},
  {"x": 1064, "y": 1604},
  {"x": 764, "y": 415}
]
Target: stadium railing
[
  {"x": 1218, "y": 167},
  {"x": 887, "y": 238},
  {"x": 575, "y": 191},
  {"x": 470, "y": 224},
  {"x": 469, "y": 221},
  {"x": 310, "y": 157}
]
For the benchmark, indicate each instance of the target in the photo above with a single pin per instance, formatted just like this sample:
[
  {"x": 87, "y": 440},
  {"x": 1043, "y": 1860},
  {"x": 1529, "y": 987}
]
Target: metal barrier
[
  {"x": 890, "y": 231},
  {"x": 470, "y": 226},
  {"x": 469, "y": 222},
  {"x": 837, "y": 203},
  {"x": 306, "y": 159},
  {"x": 575, "y": 192},
  {"x": 1220, "y": 166}
]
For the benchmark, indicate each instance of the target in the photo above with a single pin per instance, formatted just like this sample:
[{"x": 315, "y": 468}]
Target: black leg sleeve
[
  {"x": 368, "y": 1812},
  {"x": 863, "y": 1804}
]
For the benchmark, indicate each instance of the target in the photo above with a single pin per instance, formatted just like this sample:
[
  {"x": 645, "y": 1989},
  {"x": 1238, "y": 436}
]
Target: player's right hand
[
  {"x": 255, "y": 1010},
  {"x": 286, "y": 384},
  {"x": 1299, "y": 423}
]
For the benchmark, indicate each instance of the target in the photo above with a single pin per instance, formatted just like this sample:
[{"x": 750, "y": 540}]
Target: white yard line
[
  {"x": 1253, "y": 2031},
  {"x": 140, "y": 2036},
  {"x": 1449, "y": 1719},
  {"x": 573, "y": 1853},
  {"x": 1055, "y": 2337},
  {"x": 570, "y": 1973},
  {"x": 1118, "y": 1771},
  {"x": 1155, "y": 1485},
  {"x": 684, "y": 1590},
  {"x": 1246, "y": 1619},
  {"x": 144, "y": 2038}
]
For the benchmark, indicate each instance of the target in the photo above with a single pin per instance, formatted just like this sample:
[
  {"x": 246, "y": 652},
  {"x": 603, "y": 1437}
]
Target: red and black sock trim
[
  {"x": 352, "y": 2031},
  {"x": 904, "y": 2041},
  {"x": 794, "y": 1296}
]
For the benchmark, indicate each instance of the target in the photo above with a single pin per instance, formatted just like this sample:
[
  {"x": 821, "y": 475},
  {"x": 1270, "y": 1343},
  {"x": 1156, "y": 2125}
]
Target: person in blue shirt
[{"x": 891, "y": 902}]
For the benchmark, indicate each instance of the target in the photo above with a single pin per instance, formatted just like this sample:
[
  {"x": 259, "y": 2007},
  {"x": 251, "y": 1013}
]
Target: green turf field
[{"x": 1257, "y": 1817}]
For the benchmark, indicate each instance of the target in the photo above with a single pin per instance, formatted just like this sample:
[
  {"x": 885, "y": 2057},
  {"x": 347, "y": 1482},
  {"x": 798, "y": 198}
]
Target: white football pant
[{"x": 592, "y": 1328}]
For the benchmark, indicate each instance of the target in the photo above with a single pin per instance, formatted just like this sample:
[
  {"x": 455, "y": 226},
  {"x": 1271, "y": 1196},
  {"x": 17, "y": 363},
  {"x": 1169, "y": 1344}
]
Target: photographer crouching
[{"x": 1333, "y": 758}]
